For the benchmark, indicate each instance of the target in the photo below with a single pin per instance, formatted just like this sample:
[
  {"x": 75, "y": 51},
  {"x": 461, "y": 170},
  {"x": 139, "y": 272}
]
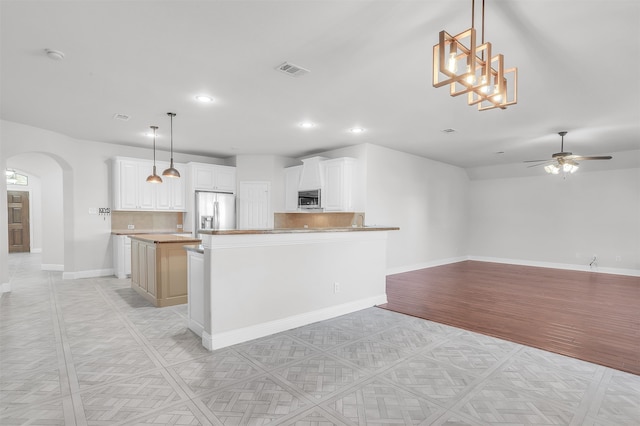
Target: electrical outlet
[
  {"x": 131, "y": 227},
  {"x": 336, "y": 287},
  {"x": 618, "y": 258},
  {"x": 179, "y": 226}
]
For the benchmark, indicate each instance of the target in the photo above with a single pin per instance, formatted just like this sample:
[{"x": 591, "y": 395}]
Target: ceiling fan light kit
[
  {"x": 469, "y": 68},
  {"x": 564, "y": 161}
]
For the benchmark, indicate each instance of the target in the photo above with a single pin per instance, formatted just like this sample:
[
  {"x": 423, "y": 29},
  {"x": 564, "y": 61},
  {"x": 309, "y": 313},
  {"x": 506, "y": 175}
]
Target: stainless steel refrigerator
[{"x": 215, "y": 210}]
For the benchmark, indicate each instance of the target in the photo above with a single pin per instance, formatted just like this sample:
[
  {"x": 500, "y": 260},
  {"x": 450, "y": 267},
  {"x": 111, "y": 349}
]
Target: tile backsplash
[
  {"x": 146, "y": 221},
  {"x": 317, "y": 220}
]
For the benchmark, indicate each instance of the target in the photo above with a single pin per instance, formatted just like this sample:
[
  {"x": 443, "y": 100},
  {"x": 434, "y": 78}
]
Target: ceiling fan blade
[
  {"x": 601, "y": 157},
  {"x": 534, "y": 161},
  {"x": 539, "y": 164}
]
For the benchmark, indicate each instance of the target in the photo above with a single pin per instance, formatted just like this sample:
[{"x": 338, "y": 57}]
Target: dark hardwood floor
[{"x": 591, "y": 316}]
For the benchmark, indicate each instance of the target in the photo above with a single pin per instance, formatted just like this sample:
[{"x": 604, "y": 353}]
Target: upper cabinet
[
  {"x": 131, "y": 191},
  {"x": 337, "y": 194},
  {"x": 170, "y": 193},
  {"x": 210, "y": 177},
  {"x": 291, "y": 183},
  {"x": 335, "y": 178}
]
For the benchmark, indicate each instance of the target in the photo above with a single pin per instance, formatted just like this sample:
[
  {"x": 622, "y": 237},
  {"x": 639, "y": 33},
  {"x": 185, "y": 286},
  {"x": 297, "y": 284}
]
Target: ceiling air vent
[
  {"x": 292, "y": 70},
  {"x": 122, "y": 117}
]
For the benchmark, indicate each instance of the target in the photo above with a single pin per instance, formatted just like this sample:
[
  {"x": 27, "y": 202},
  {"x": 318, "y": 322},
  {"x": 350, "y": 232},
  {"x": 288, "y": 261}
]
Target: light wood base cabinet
[{"x": 159, "y": 272}]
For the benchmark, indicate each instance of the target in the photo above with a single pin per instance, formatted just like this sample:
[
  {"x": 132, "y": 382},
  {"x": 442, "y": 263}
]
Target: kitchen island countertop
[
  {"x": 142, "y": 231},
  {"x": 165, "y": 238},
  {"x": 297, "y": 230}
]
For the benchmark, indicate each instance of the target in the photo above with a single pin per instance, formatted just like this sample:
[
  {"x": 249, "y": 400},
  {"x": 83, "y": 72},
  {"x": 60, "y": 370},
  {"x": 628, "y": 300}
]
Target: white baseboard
[
  {"x": 567, "y": 266},
  {"x": 52, "y": 267},
  {"x": 425, "y": 265},
  {"x": 5, "y": 288},
  {"x": 87, "y": 274},
  {"x": 233, "y": 337},
  {"x": 36, "y": 250},
  {"x": 196, "y": 327}
]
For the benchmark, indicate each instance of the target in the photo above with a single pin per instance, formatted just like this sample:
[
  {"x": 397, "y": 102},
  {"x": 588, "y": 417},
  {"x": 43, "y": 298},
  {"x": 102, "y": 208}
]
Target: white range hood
[{"x": 312, "y": 176}]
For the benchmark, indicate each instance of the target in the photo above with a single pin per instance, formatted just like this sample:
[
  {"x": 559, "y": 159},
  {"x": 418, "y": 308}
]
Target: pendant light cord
[
  {"x": 473, "y": 20},
  {"x": 154, "y": 144},
  {"x": 172, "y": 139},
  {"x": 473, "y": 13},
  {"x": 483, "y": 26}
]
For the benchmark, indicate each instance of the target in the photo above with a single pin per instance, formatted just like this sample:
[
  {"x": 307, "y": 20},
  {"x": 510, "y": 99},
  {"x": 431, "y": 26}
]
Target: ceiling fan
[{"x": 564, "y": 161}]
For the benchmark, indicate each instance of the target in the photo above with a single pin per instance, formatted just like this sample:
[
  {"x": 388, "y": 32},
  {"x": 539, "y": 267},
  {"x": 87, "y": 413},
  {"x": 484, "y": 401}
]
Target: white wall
[
  {"x": 86, "y": 176},
  {"x": 427, "y": 199},
  {"x": 550, "y": 220}
]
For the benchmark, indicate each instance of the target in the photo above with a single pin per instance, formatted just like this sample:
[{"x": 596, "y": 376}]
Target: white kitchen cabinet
[
  {"x": 131, "y": 191},
  {"x": 195, "y": 290},
  {"x": 171, "y": 192},
  {"x": 211, "y": 177},
  {"x": 337, "y": 193},
  {"x": 122, "y": 256},
  {"x": 291, "y": 184}
]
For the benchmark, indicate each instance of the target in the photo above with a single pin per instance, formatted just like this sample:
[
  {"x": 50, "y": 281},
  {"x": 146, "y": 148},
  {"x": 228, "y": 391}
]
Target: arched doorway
[{"x": 46, "y": 203}]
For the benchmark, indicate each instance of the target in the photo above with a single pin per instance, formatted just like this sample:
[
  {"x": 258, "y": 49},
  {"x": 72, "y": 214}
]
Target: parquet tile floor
[{"x": 92, "y": 352}]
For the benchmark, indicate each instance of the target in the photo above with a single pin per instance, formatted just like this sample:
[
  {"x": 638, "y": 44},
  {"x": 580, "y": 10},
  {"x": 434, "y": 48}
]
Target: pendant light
[
  {"x": 171, "y": 172},
  {"x": 154, "y": 178}
]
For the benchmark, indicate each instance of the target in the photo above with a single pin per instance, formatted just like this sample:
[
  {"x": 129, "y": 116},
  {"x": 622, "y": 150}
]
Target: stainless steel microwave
[{"x": 309, "y": 199}]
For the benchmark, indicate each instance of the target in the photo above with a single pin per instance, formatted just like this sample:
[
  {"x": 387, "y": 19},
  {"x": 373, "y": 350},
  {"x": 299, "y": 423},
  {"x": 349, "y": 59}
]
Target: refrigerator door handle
[{"x": 216, "y": 215}]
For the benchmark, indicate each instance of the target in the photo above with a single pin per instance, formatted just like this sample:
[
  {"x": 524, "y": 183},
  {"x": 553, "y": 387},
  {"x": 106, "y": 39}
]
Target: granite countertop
[
  {"x": 165, "y": 238},
  {"x": 298, "y": 230},
  {"x": 148, "y": 231}
]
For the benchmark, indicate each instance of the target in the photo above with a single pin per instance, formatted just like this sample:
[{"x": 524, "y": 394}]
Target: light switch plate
[{"x": 131, "y": 227}]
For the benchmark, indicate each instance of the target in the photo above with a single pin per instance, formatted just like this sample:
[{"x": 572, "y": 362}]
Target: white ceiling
[{"x": 370, "y": 62}]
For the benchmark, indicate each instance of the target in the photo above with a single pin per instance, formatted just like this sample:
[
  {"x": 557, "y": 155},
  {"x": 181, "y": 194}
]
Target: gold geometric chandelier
[{"x": 471, "y": 69}]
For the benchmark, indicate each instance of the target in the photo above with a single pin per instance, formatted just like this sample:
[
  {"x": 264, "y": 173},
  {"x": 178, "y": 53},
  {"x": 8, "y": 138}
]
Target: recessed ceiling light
[
  {"x": 56, "y": 55},
  {"x": 448, "y": 130},
  {"x": 122, "y": 117},
  {"x": 356, "y": 130},
  {"x": 204, "y": 98},
  {"x": 307, "y": 125}
]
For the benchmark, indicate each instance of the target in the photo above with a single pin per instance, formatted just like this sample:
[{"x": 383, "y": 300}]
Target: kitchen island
[
  {"x": 260, "y": 282},
  {"x": 159, "y": 267}
]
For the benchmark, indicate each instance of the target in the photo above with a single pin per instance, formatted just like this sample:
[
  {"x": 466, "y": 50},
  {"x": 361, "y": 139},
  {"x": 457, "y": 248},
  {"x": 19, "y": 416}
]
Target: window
[{"x": 15, "y": 178}]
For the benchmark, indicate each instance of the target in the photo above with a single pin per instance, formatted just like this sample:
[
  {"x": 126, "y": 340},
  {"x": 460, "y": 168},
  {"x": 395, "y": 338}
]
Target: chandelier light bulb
[
  {"x": 453, "y": 63},
  {"x": 484, "y": 85},
  {"x": 497, "y": 96},
  {"x": 471, "y": 77}
]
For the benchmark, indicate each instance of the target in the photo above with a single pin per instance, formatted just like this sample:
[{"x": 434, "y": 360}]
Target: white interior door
[{"x": 255, "y": 205}]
